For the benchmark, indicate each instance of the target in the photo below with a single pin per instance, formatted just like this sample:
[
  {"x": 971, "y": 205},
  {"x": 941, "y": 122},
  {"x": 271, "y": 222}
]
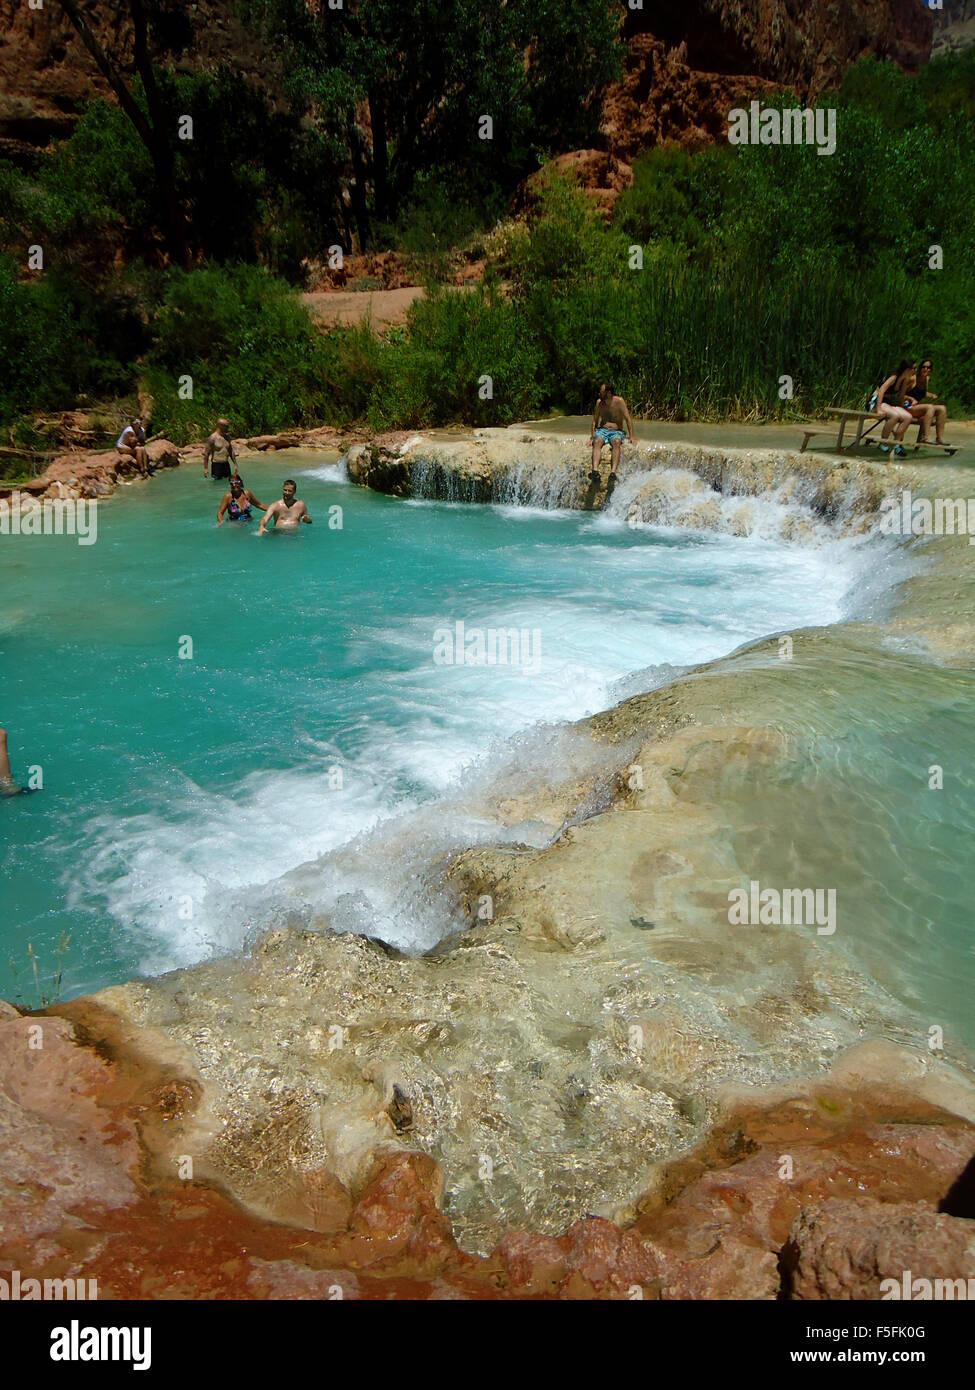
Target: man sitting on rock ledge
[{"x": 608, "y": 418}]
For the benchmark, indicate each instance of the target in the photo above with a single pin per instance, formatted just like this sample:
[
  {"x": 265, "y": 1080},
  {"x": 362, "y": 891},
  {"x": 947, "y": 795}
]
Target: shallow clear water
[
  {"x": 879, "y": 804},
  {"x": 178, "y": 792}
]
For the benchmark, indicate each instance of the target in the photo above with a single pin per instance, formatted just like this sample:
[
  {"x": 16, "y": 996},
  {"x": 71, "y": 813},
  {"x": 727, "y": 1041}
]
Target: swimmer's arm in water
[
  {"x": 269, "y": 515},
  {"x": 303, "y": 515},
  {"x": 224, "y": 504},
  {"x": 253, "y": 500}
]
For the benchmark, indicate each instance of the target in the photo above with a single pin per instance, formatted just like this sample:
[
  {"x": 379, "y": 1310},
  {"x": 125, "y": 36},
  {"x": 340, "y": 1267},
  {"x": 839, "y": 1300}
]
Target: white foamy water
[{"x": 437, "y": 732}]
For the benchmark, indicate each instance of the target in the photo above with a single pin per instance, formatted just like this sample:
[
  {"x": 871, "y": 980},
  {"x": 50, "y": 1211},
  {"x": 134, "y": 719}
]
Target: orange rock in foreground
[{"x": 88, "y": 1190}]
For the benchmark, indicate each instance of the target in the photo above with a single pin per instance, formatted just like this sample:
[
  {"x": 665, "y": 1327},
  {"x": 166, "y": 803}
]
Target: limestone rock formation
[
  {"x": 954, "y": 27},
  {"x": 95, "y": 475},
  {"x": 688, "y": 64},
  {"x": 843, "y": 1249},
  {"x": 599, "y": 174},
  {"x": 687, "y": 484},
  {"x": 46, "y": 75},
  {"x": 685, "y": 63},
  {"x": 325, "y": 437}
]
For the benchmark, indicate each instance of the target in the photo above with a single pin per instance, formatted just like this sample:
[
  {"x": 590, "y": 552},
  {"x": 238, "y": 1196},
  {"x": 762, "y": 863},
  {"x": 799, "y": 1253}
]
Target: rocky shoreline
[
  {"x": 541, "y": 1107},
  {"x": 97, "y": 474}
]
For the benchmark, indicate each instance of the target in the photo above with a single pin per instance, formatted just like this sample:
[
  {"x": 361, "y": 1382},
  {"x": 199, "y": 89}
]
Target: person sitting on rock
[
  {"x": 608, "y": 417},
  {"x": 131, "y": 443},
  {"x": 219, "y": 453}
]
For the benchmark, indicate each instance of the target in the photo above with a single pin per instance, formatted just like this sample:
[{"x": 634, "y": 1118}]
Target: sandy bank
[{"x": 380, "y": 308}]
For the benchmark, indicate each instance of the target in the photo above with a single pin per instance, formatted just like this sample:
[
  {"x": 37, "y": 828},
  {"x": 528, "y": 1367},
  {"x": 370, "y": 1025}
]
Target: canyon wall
[
  {"x": 688, "y": 64},
  {"x": 684, "y": 65}
]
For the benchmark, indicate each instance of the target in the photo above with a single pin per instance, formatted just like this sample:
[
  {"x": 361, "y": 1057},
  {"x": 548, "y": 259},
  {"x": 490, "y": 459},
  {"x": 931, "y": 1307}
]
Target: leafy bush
[
  {"x": 567, "y": 244},
  {"x": 247, "y": 346},
  {"x": 437, "y": 373},
  {"x": 60, "y": 340},
  {"x": 758, "y": 262},
  {"x": 675, "y": 197},
  {"x": 102, "y": 174}
]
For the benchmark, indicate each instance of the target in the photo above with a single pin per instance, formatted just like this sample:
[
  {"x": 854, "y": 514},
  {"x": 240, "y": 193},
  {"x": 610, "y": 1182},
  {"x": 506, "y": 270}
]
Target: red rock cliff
[{"x": 687, "y": 64}]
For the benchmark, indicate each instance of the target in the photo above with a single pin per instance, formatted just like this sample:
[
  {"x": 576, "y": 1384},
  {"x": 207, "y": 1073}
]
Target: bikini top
[{"x": 235, "y": 511}]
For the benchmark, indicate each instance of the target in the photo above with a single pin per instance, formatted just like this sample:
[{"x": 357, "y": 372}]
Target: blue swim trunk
[{"x": 608, "y": 435}]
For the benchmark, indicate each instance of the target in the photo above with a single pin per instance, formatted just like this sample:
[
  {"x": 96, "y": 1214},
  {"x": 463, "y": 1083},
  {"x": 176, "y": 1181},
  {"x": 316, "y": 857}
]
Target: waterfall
[{"x": 733, "y": 492}]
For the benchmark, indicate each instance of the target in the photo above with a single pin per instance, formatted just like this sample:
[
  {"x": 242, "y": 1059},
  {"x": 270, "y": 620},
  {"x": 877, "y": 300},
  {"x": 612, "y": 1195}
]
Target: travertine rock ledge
[{"x": 523, "y": 467}]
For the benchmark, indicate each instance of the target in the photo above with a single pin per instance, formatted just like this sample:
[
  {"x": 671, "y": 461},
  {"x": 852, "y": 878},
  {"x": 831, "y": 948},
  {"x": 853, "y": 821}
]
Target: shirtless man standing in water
[
  {"x": 287, "y": 513},
  {"x": 608, "y": 419},
  {"x": 219, "y": 452}
]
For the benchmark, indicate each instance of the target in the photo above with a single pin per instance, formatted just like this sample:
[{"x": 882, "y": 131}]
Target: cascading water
[{"x": 669, "y": 487}]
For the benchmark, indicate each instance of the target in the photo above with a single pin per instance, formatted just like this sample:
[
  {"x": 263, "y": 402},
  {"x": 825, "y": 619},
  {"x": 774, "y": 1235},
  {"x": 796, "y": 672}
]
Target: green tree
[
  {"x": 157, "y": 26},
  {"x": 401, "y": 88}
]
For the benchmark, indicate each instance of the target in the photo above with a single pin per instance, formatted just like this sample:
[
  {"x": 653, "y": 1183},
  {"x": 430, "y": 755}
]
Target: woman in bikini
[
  {"x": 886, "y": 402},
  {"x": 924, "y": 405},
  {"x": 237, "y": 503}
]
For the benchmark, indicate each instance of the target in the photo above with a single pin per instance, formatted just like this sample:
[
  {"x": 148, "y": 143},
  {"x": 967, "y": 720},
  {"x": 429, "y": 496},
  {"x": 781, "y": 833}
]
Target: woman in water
[
  {"x": 237, "y": 503},
  {"x": 886, "y": 402},
  {"x": 924, "y": 405}
]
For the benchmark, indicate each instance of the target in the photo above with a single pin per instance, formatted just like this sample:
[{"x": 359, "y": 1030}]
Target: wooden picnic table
[{"x": 846, "y": 417}]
